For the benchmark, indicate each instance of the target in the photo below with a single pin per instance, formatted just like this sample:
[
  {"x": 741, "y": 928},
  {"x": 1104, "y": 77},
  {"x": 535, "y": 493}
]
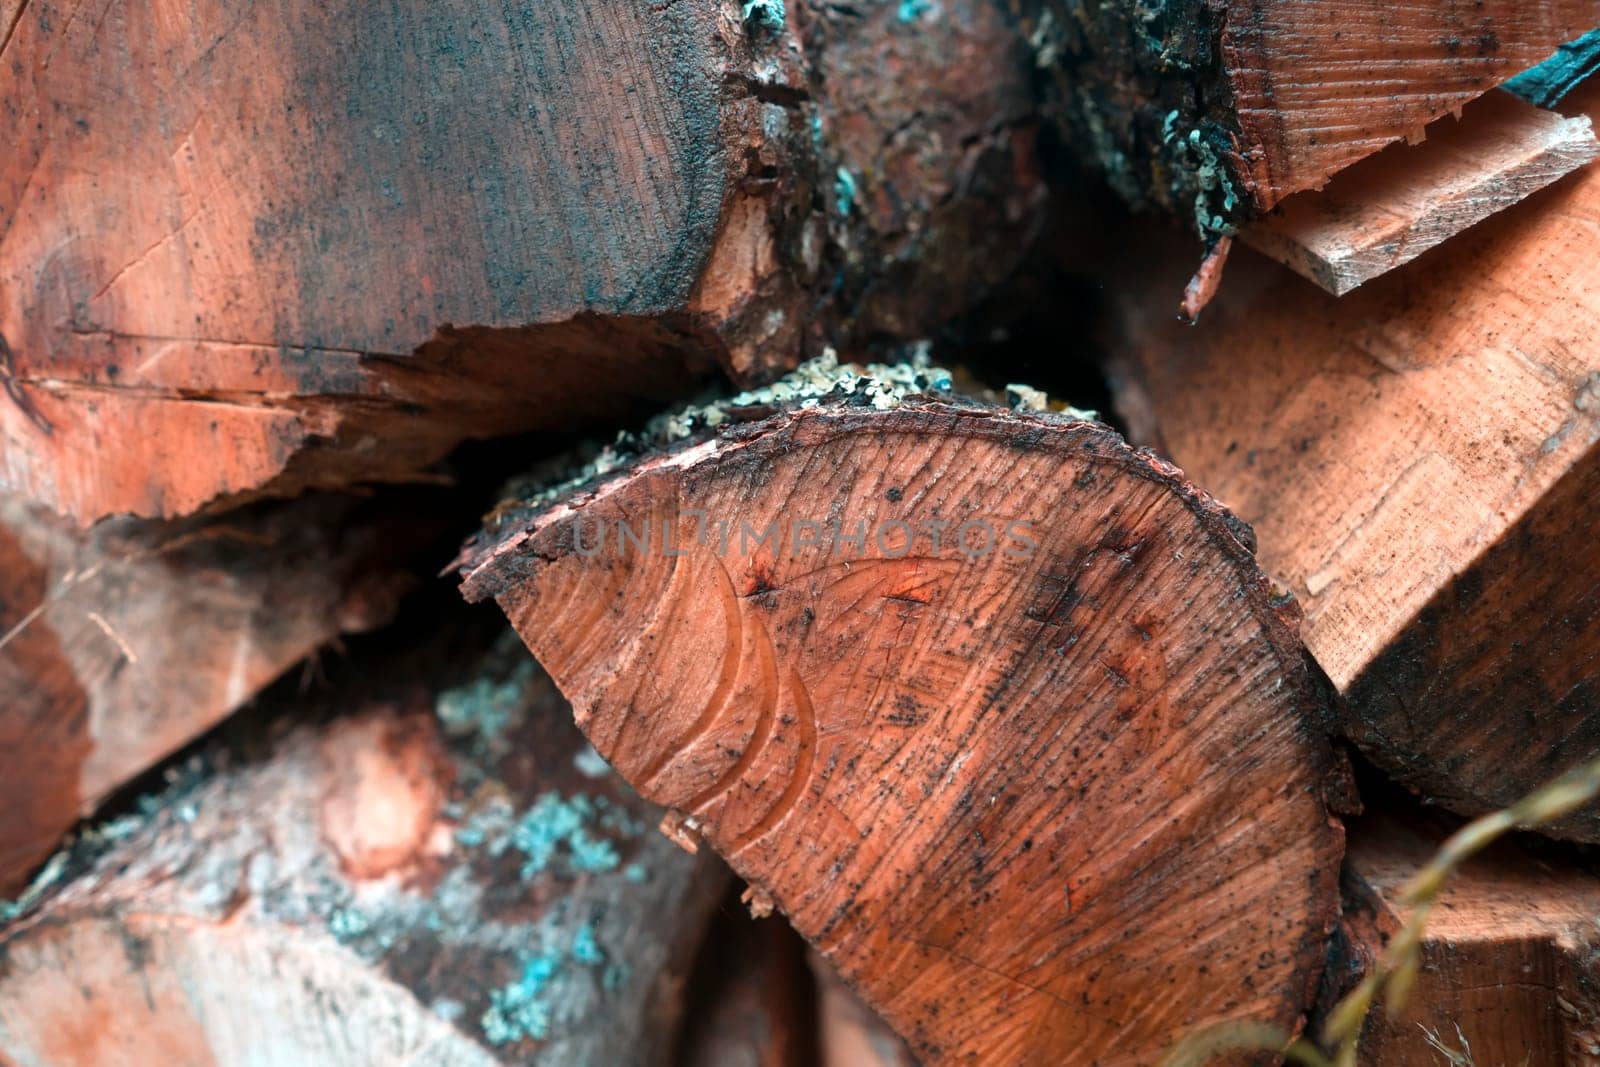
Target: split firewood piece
[
  {"x": 1420, "y": 461},
  {"x": 341, "y": 239},
  {"x": 928, "y": 672},
  {"x": 1509, "y": 967},
  {"x": 461, "y": 883},
  {"x": 1394, "y": 206},
  {"x": 1219, "y": 109},
  {"x": 755, "y": 1001},
  {"x": 852, "y": 1034},
  {"x": 120, "y": 645}
]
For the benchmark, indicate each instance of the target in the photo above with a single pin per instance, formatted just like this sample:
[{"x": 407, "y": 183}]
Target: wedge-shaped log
[
  {"x": 1509, "y": 966},
  {"x": 249, "y": 248},
  {"x": 1421, "y": 461},
  {"x": 121, "y": 645},
  {"x": 1391, "y": 208},
  {"x": 1218, "y": 109},
  {"x": 378, "y": 889},
  {"x": 1000, "y": 713}
]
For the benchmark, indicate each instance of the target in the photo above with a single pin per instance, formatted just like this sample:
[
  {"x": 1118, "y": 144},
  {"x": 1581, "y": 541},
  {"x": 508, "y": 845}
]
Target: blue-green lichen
[
  {"x": 768, "y": 14},
  {"x": 562, "y": 824},
  {"x": 486, "y": 706},
  {"x": 586, "y": 946},
  {"x": 578, "y": 832},
  {"x": 1198, "y": 160},
  {"x": 522, "y": 1009},
  {"x": 519, "y": 1010},
  {"x": 347, "y": 924},
  {"x": 1548, "y": 83},
  {"x": 912, "y": 10},
  {"x": 844, "y": 191}
]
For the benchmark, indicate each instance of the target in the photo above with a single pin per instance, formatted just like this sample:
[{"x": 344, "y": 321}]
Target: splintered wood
[
  {"x": 249, "y": 249},
  {"x": 1391, "y": 208},
  {"x": 1218, "y": 110},
  {"x": 118, "y": 647},
  {"x": 1092, "y": 731},
  {"x": 1421, "y": 462}
]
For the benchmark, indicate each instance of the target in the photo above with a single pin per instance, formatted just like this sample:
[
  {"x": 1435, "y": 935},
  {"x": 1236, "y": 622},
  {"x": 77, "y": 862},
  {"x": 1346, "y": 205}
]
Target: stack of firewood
[{"x": 859, "y": 704}]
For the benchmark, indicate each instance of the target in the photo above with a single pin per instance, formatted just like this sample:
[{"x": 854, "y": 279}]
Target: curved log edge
[
  {"x": 444, "y": 873},
  {"x": 249, "y": 249},
  {"x": 1099, "y": 735},
  {"x": 1418, "y": 459}
]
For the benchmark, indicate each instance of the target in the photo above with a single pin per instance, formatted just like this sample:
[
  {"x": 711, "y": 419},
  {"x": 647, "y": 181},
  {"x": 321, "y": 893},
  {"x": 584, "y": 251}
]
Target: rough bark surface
[
  {"x": 1391, "y": 208},
  {"x": 1419, "y": 460},
  {"x": 119, "y": 646},
  {"x": 253, "y": 248},
  {"x": 1102, "y": 742},
  {"x": 1219, "y": 109},
  {"x": 1509, "y": 966},
  {"x": 446, "y": 877}
]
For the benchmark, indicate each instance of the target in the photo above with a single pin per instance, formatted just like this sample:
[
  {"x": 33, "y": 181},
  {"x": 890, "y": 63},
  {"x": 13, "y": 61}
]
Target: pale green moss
[
  {"x": 882, "y": 385},
  {"x": 1198, "y": 159}
]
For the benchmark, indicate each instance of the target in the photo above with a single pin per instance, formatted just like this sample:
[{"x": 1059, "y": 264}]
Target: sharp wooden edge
[{"x": 1340, "y": 241}]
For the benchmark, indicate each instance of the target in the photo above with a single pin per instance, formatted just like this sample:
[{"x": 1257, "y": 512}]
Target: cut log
[
  {"x": 251, "y": 248},
  {"x": 1509, "y": 967},
  {"x": 376, "y": 890},
  {"x": 1420, "y": 460},
  {"x": 1219, "y": 109},
  {"x": 121, "y": 645},
  {"x": 936, "y": 671},
  {"x": 1394, "y": 206}
]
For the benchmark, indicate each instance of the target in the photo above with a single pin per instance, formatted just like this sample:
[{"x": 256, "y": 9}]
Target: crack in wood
[{"x": 18, "y": 395}]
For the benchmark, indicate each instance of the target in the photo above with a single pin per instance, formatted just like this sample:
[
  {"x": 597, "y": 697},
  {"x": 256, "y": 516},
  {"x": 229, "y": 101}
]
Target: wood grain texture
[
  {"x": 1317, "y": 86},
  {"x": 347, "y": 897},
  {"x": 252, "y": 248},
  {"x": 122, "y": 645},
  {"x": 1219, "y": 109},
  {"x": 1391, "y": 208},
  {"x": 1508, "y": 956},
  {"x": 1420, "y": 461},
  {"x": 1103, "y": 745}
]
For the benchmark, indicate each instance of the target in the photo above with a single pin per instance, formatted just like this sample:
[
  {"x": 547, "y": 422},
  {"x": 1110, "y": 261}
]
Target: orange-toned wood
[
  {"x": 1421, "y": 462},
  {"x": 1317, "y": 86},
  {"x": 1217, "y": 110},
  {"x": 1059, "y": 796},
  {"x": 373, "y": 890},
  {"x": 1391, "y": 208},
  {"x": 248, "y": 248},
  {"x": 1508, "y": 971},
  {"x": 852, "y": 1034},
  {"x": 119, "y": 646}
]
